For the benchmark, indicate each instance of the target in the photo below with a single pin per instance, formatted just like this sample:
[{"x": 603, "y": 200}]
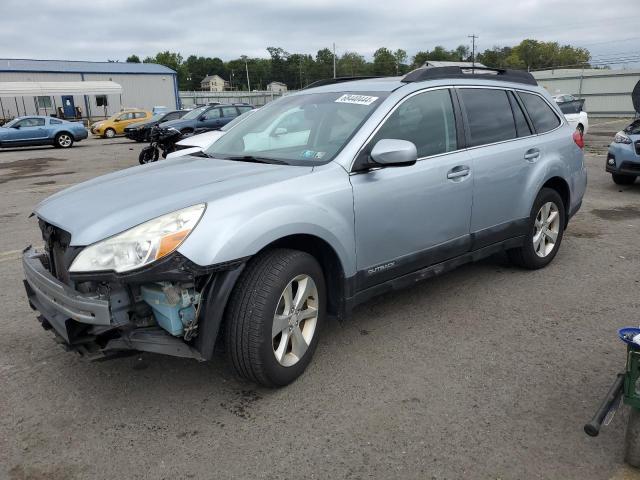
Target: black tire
[
  {"x": 63, "y": 140},
  {"x": 623, "y": 179},
  {"x": 250, "y": 314},
  {"x": 632, "y": 439},
  {"x": 148, "y": 155},
  {"x": 186, "y": 131},
  {"x": 525, "y": 256}
]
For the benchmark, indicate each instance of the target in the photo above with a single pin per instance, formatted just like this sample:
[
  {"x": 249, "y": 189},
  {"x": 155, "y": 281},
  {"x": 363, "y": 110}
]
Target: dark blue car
[
  {"x": 40, "y": 130},
  {"x": 210, "y": 117}
]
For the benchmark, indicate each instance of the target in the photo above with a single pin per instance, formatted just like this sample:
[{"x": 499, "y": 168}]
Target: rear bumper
[{"x": 80, "y": 135}]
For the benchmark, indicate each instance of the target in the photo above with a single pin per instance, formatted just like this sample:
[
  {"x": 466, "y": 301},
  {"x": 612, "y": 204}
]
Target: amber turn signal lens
[{"x": 169, "y": 243}]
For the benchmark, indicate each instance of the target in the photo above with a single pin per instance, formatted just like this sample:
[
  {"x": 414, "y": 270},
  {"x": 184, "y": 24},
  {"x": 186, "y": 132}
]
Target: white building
[
  {"x": 144, "y": 85},
  {"x": 214, "y": 83},
  {"x": 276, "y": 87}
]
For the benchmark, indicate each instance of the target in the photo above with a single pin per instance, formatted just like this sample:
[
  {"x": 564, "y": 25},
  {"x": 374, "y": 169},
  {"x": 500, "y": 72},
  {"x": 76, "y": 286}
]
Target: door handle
[
  {"x": 532, "y": 154},
  {"x": 458, "y": 172}
]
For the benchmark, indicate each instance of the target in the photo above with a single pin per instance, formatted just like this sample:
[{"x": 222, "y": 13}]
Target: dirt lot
[{"x": 486, "y": 372}]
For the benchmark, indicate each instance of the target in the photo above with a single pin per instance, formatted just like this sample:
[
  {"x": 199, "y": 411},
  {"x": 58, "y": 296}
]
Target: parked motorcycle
[
  {"x": 162, "y": 139},
  {"x": 625, "y": 389}
]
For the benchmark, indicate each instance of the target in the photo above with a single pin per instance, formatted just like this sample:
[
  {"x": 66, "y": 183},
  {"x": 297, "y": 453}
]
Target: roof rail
[
  {"x": 484, "y": 73},
  {"x": 331, "y": 81}
]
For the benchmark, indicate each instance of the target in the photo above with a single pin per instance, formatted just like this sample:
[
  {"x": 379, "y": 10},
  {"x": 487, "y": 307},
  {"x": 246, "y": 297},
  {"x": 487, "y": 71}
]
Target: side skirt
[{"x": 409, "y": 279}]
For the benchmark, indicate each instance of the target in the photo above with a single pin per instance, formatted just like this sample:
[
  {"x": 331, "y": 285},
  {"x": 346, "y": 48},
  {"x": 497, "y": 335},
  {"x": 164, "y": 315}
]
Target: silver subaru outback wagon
[{"x": 316, "y": 203}]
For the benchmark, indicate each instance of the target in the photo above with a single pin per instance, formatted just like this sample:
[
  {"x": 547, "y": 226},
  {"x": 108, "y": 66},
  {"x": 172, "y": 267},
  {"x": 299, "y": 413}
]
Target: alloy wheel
[
  {"x": 295, "y": 320},
  {"x": 64, "y": 140},
  {"x": 546, "y": 229}
]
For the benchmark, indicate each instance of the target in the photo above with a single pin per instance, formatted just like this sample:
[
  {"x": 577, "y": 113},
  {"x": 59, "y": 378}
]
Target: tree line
[{"x": 298, "y": 70}]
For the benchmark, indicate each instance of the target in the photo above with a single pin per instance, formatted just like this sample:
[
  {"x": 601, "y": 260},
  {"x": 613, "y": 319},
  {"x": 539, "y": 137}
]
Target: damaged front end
[{"x": 172, "y": 306}]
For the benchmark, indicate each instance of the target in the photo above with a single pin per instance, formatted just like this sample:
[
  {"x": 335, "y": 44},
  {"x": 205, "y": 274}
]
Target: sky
[{"x": 114, "y": 29}]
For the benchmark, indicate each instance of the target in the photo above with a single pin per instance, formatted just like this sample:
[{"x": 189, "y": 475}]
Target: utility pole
[
  {"x": 246, "y": 66},
  {"x": 473, "y": 37},
  {"x": 334, "y": 59}
]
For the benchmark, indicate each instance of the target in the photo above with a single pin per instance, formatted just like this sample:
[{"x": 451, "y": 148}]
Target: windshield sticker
[
  {"x": 356, "y": 99},
  {"x": 319, "y": 155},
  {"x": 308, "y": 154}
]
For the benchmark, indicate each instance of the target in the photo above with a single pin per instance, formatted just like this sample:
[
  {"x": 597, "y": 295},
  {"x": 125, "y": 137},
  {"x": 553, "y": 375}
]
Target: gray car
[{"x": 316, "y": 203}]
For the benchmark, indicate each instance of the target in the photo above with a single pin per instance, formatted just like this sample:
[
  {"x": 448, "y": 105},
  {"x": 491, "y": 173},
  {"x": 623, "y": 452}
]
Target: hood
[
  {"x": 99, "y": 208},
  {"x": 203, "y": 140}
]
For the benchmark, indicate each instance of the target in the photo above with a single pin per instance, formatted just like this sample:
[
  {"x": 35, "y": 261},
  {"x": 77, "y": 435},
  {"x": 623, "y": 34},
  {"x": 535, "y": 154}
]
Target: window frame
[
  {"x": 102, "y": 97},
  {"x": 457, "y": 116}
]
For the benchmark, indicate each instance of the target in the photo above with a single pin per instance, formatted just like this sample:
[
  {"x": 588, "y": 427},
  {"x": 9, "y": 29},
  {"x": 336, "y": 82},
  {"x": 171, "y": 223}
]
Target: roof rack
[
  {"x": 331, "y": 81},
  {"x": 484, "y": 73}
]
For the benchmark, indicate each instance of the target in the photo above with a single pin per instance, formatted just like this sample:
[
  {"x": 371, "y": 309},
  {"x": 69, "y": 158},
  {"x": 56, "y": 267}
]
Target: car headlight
[
  {"x": 621, "y": 137},
  {"x": 140, "y": 245}
]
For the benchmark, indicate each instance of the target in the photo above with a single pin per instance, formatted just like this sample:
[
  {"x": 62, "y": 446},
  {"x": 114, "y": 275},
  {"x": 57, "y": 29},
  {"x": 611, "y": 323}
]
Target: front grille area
[
  {"x": 60, "y": 254},
  {"x": 630, "y": 166}
]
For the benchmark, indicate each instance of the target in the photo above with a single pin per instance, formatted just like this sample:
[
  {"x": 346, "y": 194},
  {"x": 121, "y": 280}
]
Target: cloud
[{"x": 101, "y": 30}]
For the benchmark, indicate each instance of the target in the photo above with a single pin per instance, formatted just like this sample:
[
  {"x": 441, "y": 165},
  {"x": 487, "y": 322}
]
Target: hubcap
[
  {"x": 110, "y": 133},
  {"x": 546, "y": 229},
  {"x": 64, "y": 140},
  {"x": 295, "y": 320}
]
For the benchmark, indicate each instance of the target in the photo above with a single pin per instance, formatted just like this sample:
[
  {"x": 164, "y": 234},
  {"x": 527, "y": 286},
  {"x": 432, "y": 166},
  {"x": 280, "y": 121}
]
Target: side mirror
[
  {"x": 278, "y": 131},
  {"x": 17, "y": 127},
  {"x": 202, "y": 118},
  {"x": 394, "y": 153},
  {"x": 116, "y": 119}
]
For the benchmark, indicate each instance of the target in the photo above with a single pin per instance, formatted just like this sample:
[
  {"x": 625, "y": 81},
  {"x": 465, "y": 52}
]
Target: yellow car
[{"x": 115, "y": 124}]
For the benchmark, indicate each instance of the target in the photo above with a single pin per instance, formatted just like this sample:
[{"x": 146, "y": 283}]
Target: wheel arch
[
  {"x": 561, "y": 186},
  {"x": 327, "y": 257}
]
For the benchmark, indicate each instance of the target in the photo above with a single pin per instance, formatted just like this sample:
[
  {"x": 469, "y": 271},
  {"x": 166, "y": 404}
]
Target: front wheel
[
  {"x": 147, "y": 155},
  {"x": 632, "y": 439},
  {"x": 274, "y": 316},
  {"x": 544, "y": 234},
  {"x": 109, "y": 133},
  {"x": 623, "y": 179}
]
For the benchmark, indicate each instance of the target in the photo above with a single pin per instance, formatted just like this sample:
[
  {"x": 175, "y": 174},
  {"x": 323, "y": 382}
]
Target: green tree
[
  {"x": 352, "y": 64},
  {"x": 133, "y": 59},
  {"x": 400, "y": 57},
  {"x": 384, "y": 63}
]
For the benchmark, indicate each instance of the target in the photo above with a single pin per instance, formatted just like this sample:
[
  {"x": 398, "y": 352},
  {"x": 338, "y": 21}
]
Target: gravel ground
[{"x": 486, "y": 372}]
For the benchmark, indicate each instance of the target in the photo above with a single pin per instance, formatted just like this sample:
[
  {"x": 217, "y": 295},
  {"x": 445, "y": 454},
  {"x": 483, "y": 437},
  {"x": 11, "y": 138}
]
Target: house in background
[
  {"x": 276, "y": 87},
  {"x": 214, "y": 83}
]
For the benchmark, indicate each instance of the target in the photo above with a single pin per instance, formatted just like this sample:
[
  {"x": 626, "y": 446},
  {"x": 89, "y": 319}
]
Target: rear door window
[
  {"x": 211, "y": 114},
  {"x": 540, "y": 113},
  {"x": 229, "y": 112},
  {"x": 488, "y": 115}
]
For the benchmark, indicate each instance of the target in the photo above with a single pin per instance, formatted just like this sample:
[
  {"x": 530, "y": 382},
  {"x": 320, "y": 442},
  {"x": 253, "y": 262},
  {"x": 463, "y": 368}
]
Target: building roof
[
  {"x": 21, "y": 89},
  {"x": 73, "y": 66},
  {"x": 211, "y": 77}
]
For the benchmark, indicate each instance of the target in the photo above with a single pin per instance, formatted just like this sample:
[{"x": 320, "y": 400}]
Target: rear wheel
[
  {"x": 63, "y": 140},
  {"x": 274, "y": 316},
  {"x": 148, "y": 154},
  {"x": 109, "y": 133},
  {"x": 546, "y": 226},
  {"x": 623, "y": 179}
]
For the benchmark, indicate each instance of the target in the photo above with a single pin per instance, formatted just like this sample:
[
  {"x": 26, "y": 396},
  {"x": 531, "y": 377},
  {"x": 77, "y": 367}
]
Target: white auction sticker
[{"x": 356, "y": 99}]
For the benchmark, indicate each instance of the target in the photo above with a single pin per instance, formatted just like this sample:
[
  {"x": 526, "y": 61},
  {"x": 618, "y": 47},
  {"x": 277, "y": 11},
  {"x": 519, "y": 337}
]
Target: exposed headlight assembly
[
  {"x": 621, "y": 137},
  {"x": 140, "y": 245}
]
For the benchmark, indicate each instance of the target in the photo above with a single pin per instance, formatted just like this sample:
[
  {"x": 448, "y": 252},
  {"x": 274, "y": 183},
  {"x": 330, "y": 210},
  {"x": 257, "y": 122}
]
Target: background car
[
  {"x": 41, "y": 130},
  {"x": 206, "y": 118},
  {"x": 199, "y": 143},
  {"x": 573, "y": 110},
  {"x": 140, "y": 131},
  {"x": 115, "y": 124},
  {"x": 623, "y": 157}
]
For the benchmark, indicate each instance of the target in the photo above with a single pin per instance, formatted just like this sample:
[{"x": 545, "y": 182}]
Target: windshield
[
  {"x": 12, "y": 122},
  {"x": 156, "y": 117},
  {"x": 299, "y": 129},
  {"x": 195, "y": 113}
]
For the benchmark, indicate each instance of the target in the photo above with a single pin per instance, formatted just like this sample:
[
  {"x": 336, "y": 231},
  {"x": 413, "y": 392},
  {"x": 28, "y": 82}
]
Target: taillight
[{"x": 578, "y": 138}]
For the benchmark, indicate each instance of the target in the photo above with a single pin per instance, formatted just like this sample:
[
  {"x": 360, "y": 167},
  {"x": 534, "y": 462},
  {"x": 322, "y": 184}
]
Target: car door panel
[{"x": 414, "y": 216}]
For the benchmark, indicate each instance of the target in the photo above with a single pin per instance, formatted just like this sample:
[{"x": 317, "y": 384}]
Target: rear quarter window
[{"x": 541, "y": 114}]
